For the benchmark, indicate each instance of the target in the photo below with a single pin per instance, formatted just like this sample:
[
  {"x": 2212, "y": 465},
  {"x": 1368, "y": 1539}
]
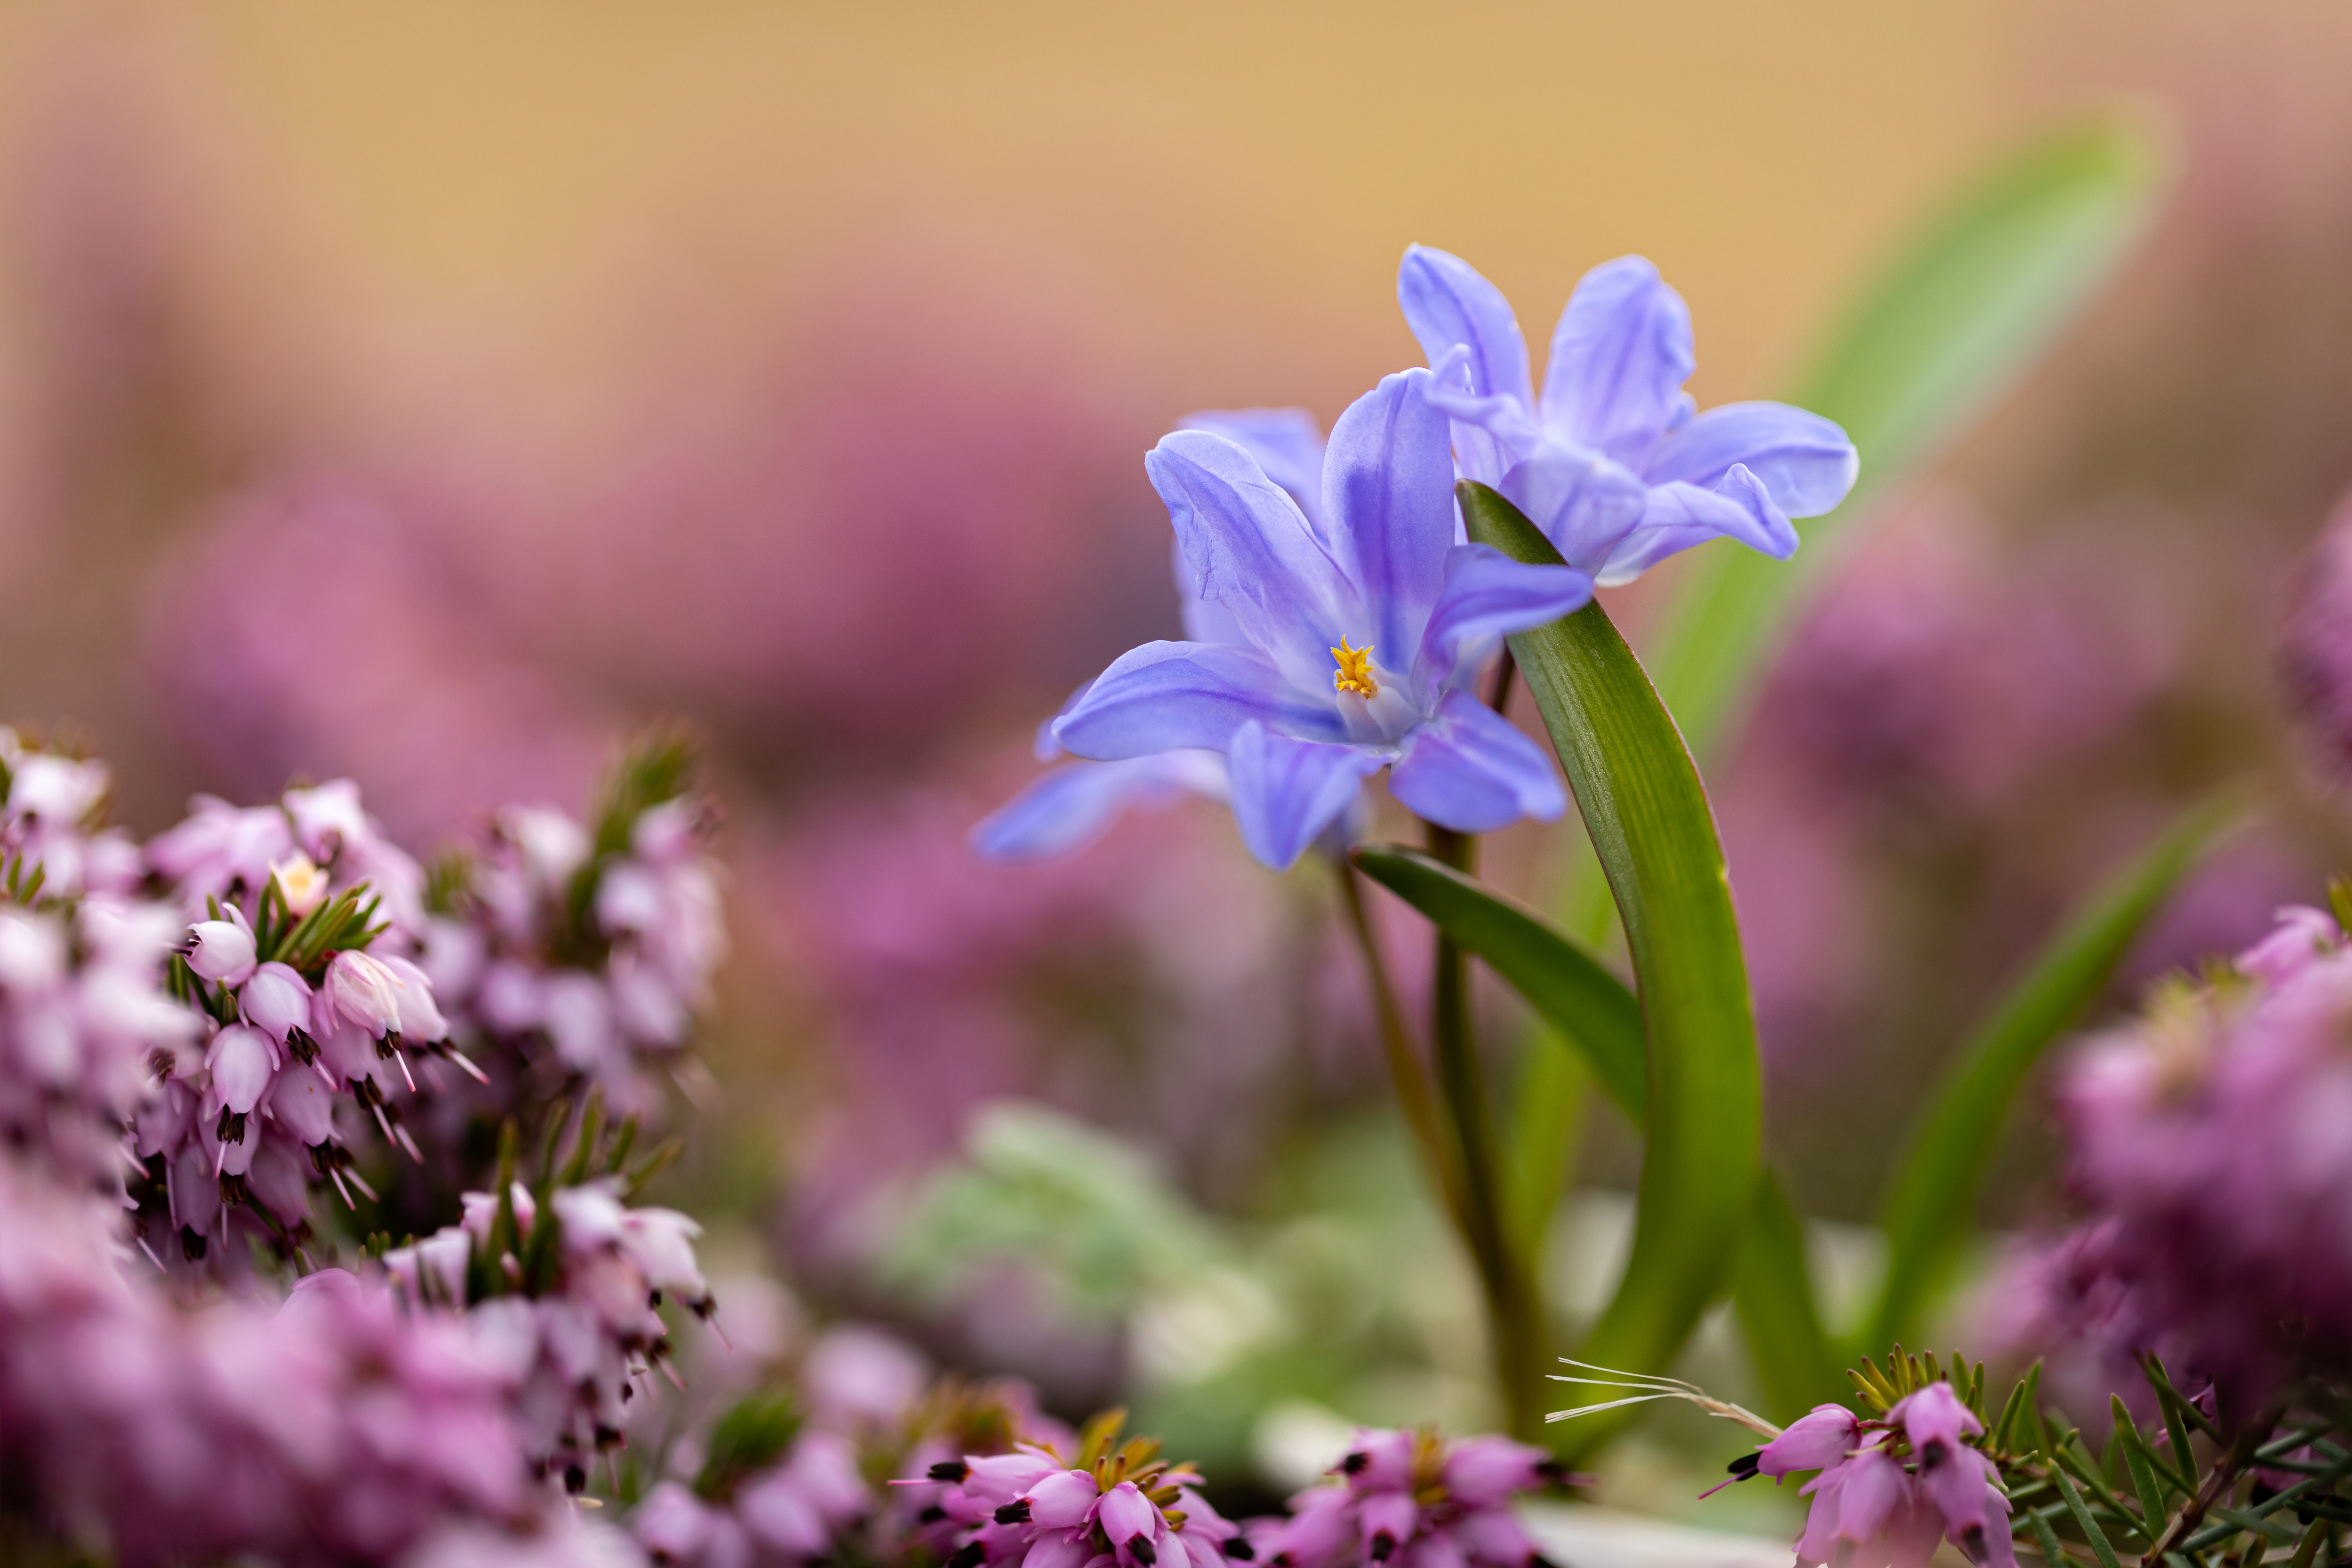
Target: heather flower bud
[
  {"x": 242, "y": 1063},
  {"x": 276, "y": 1000},
  {"x": 364, "y": 991},
  {"x": 1130, "y": 1521},
  {"x": 1063, "y": 1499},
  {"x": 221, "y": 951},
  {"x": 1811, "y": 1442},
  {"x": 305, "y": 1107}
]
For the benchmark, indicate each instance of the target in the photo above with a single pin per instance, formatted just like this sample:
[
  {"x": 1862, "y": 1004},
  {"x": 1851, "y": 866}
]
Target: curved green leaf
[
  {"x": 1648, "y": 819},
  {"x": 1930, "y": 1204},
  {"x": 1569, "y": 988},
  {"x": 1964, "y": 311}
]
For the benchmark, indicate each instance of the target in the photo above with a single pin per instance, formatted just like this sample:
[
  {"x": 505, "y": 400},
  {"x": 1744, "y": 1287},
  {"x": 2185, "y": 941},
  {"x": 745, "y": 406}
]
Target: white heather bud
[
  {"x": 364, "y": 991},
  {"x": 221, "y": 951}
]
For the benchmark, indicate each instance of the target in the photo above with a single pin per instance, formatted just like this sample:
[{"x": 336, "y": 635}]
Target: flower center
[{"x": 1355, "y": 671}]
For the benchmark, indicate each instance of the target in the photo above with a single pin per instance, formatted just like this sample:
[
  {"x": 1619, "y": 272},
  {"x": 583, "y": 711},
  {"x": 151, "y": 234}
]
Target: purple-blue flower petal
[
  {"x": 1070, "y": 806},
  {"x": 1206, "y": 620},
  {"x": 1680, "y": 515},
  {"x": 1488, "y": 594},
  {"x": 1619, "y": 358},
  {"x": 1471, "y": 770},
  {"x": 1251, "y": 548},
  {"x": 1166, "y": 696},
  {"x": 1286, "y": 791},
  {"x": 1286, "y": 443},
  {"x": 1579, "y": 499},
  {"x": 1044, "y": 746},
  {"x": 1804, "y": 461},
  {"x": 1447, "y": 303},
  {"x": 1388, "y": 491}
]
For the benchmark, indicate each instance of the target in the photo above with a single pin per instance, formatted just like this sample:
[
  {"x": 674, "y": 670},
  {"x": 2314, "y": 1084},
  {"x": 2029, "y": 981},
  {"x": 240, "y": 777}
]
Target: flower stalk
[
  {"x": 1406, "y": 1070},
  {"x": 1514, "y": 1314}
]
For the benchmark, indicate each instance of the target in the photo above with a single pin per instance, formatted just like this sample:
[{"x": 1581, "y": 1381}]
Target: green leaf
[
  {"x": 1772, "y": 1286},
  {"x": 1588, "y": 1007},
  {"x": 1934, "y": 1193},
  {"x": 1647, "y": 816},
  {"x": 2143, "y": 1474},
  {"x": 2100, "y": 1545},
  {"x": 1572, "y": 991},
  {"x": 1961, "y": 315}
]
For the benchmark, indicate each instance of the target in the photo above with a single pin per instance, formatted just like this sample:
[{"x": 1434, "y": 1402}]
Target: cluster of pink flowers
[
  {"x": 1403, "y": 1497},
  {"x": 86, "y": 1024},
  {"x": 1889, "y": 1491},
  {"x": 584, "y": 953},
  {"x": 301, "y": 924},
  {"x": 574, "y": 1315},
  {"x": 333, "y": 1428},
  {"x": 2207, "y": 1137},
  {"x": 1412, "y": 1499}
]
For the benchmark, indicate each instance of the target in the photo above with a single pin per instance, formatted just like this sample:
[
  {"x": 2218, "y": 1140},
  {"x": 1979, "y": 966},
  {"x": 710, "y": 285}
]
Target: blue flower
[
  {"x": 1612, "y": 463},
  {"x": 1336, "y": 627}
]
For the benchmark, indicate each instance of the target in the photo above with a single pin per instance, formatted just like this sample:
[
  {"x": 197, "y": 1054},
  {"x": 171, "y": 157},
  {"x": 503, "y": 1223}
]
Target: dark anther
[
  {"x": 969, "y": 1556},
  {"x": 1936, "y": 1452},
  {"x": 385, "y": 1046},
  {"x": 231, "y": 1128},
  {"x": 1382, "y": 1545},
  {"x": 949, "y": 1470},
  {"x": 575, "y": 1479},
  {"x": 298, "y": 1041},
  {"x": 1354, "y": 1463},
  {"x": 233, "y": 1189},
  {"x": 931, "y": 1515},
  {"x": 1014, "y": 1512},
  {"x": 654, "y": 1300},
  {"x": 192, "y": 1243},
  {"x": 1745, "y": 1466},
  {"x": 1241, "y": 1551},
  {"x": 1142, "y": 1550}
]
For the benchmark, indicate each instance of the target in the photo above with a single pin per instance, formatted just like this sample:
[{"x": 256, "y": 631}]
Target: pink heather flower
[
  {"x": 1397, "y": 1501},
  {"x": 241, "y": 1060},
  {"x": 2304, "y": 933},
  {"x": 856, "y": 1377},
  {"x": 364, "y": 992},
  {"x": 220, "y": 849},
  {"x": 222, "y": 950},
  {"x": 1867, "y": 1510},
  {"x": 2204, "y": 1137},
  {"x": 338, "y": 1429},
  {"x": 1815, "y": 1441},
  {"x": 277, "y": 1000}
]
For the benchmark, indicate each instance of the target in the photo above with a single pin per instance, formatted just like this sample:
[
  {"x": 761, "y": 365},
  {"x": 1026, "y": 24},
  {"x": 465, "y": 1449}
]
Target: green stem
[
  {"x": 1412, "y": 1090},
  {"x": 1514, "y": 1318}
]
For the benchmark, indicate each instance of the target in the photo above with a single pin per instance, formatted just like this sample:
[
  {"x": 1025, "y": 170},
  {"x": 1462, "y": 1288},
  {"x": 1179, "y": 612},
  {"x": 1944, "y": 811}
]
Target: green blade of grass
[{"x": 1929, "y": 1203}]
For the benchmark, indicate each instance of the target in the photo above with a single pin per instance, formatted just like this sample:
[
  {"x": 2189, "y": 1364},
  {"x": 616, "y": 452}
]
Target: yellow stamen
[{"x": 1355, "y": 671}]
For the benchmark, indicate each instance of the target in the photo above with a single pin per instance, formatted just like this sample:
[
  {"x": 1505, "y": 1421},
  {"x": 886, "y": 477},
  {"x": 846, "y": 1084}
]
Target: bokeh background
[{"x": 435, "y": 393}]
